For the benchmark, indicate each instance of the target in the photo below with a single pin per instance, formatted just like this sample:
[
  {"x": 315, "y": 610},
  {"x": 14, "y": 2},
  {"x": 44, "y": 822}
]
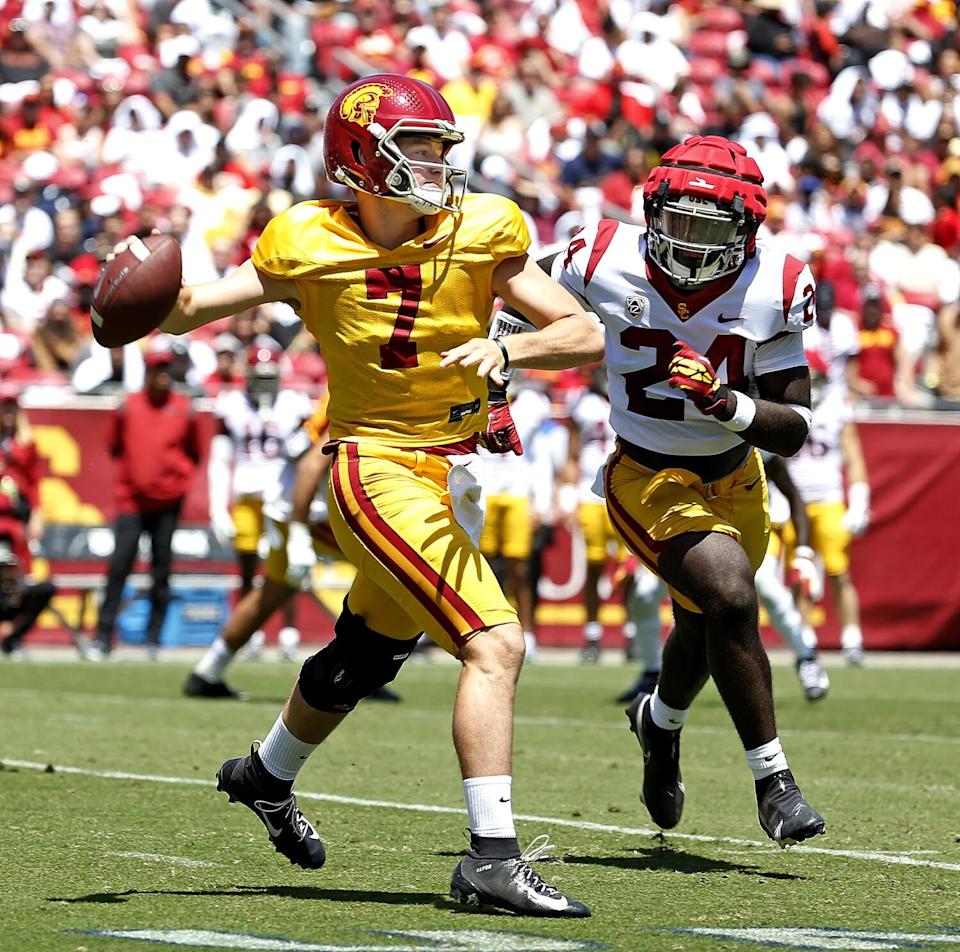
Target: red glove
[
  {"x": 694, "y": 375},
  {"x": 501, "y": 435}
]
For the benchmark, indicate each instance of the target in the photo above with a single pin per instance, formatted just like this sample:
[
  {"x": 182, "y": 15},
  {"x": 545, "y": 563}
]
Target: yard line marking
[
  {"x": 160, "y": 858},
  {"x": 895, "y": 859},
  {"x": 528, "y": 720}
]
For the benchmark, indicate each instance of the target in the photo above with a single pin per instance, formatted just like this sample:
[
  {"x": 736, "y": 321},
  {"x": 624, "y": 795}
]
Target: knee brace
[{"x": 356, "y": 663}]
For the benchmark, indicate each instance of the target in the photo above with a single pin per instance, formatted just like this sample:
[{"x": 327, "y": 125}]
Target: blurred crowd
[{"x": 205, "y": 119}]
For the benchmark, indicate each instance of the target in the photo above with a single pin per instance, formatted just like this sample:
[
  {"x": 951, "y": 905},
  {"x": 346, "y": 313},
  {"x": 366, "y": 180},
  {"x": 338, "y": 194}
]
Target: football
[{"x": 136, "y": 290}]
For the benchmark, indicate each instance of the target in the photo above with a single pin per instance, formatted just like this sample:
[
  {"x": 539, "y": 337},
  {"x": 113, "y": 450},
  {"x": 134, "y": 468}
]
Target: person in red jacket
[
  {"x": 21, "y": 600},
  {"x": 155, "y": 443},
  {"x": 20, "y": 520}
]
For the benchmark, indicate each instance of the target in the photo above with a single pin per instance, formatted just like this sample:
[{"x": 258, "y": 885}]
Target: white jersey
[
  {"x": 834, "y": 346},
  {"x": 747, "y": 325},
  {"x": 817, "y": 469},
  {"x": 258, "y": 435},
  {"x": 591, "y": 414},
  {"x": 506, "y": 474}
]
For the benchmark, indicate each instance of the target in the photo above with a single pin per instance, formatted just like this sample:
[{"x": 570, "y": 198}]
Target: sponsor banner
[{"x": 905, "y": 566}]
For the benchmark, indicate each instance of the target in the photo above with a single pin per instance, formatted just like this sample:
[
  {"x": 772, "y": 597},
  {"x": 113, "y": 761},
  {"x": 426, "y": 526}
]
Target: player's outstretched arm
[
  {"x": 568, "y": 336},
  {"x": 199, "y": 304}
]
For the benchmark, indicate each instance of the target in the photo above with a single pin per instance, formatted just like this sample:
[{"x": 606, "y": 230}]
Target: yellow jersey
[{"x": 383, "y": 316}]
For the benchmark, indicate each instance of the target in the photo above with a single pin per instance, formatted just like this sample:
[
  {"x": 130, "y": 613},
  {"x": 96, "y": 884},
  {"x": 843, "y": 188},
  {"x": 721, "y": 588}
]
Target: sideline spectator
[{"x": 155, "y": 443}]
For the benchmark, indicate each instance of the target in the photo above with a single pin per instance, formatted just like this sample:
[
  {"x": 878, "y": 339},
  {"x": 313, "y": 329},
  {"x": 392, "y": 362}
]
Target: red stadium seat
[
  {"x": 708, "y": 43},
  {"x": 706, "y": 70},
  {"x": 818, "y": 73},
  {"x": 723, "y": 19},
  {"x": 763, "y": 71}
]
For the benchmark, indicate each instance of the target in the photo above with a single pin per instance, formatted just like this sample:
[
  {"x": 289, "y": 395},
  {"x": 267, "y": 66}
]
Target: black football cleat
[
  {"x": 383, "y": 693},
  {"x": 662, "y": 784},
  {"x": 511, "y": 884},
  {"x": 784, "y": 814},
  {"x": 645, "y": 684},
  {"x": 291, "y": 833},
  {"x": 195, "y": 686}
]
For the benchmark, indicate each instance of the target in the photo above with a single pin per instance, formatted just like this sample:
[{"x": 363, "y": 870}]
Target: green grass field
[{"x": 126, "y": 834}]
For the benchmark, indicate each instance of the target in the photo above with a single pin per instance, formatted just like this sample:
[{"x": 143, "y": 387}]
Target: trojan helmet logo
[{"x": 361, "y": 105}]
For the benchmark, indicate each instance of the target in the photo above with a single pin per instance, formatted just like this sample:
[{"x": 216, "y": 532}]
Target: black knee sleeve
[{"x": 356, "y": 663}]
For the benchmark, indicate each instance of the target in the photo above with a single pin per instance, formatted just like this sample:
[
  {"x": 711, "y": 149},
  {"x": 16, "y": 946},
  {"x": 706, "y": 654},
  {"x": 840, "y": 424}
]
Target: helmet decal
[{"x": 360, "y": 105}]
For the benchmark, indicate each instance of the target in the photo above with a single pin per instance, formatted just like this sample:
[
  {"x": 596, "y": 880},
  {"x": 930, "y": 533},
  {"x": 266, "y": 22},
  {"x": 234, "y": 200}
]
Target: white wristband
[{"x": 743, "y": 415}]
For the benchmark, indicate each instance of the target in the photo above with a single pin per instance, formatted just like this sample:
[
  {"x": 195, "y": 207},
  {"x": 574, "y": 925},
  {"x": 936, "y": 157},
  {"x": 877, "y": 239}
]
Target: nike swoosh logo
[
  {"x": 504, "y": 799},
  {"x": 435, "y": 241},
  {"x": 271, "y": 829},
  {"x": 728, "y": 320}
]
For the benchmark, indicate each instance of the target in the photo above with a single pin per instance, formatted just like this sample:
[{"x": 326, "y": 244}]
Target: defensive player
[
  {"x": 833, "y": 448},
  {"x": 247, "y": 457},
  {"x": 696, "y": 314},
  {"x": 398, "y": 288}
]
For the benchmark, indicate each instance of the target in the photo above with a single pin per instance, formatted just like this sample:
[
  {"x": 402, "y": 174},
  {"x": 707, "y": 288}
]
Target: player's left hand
[
  {"x": 479, "y": 352},
  {"x": 300, "y": 554},
  {"x": 501, "y": 434},
  {"x": 857, "y": 517},
  {"x": 694, "y": 375},
  {"x": 805, "y": 574}
]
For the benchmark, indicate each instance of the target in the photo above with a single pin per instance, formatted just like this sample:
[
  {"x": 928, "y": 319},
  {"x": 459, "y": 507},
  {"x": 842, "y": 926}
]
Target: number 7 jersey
[
  {"x": 383, "y": 316},
  {"x": 746, "y": 324}
]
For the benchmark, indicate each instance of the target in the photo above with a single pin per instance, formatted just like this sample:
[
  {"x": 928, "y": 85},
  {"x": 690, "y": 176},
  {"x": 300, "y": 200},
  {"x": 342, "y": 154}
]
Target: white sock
[
  {"x": 851, "y": 637},
  {"x": 809, "y": 637},
  {"x": 214, "y": 662},
  {"x": 283, "y": 754},
  {"x": 489, "y": 806},
  {"x": 593, "y": 631},
  {"x": 530, "y": 643},
  {"x": 766, "y": 759},
  {"x": 666, "y": 717}
]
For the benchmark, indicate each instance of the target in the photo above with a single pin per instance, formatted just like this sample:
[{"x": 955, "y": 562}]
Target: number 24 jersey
[{"x": 747, "y": 324}]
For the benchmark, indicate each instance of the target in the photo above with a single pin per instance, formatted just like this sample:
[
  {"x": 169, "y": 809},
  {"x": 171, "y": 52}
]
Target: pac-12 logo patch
[
  {"x": 362, "y": 104},
  {"x": 635, "y": 304}
]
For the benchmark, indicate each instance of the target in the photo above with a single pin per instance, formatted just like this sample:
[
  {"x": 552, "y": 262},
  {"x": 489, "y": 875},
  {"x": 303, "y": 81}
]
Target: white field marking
[
  {"x": 895, "y": 859},
  {"x": 469, "y": 940},
  {"x": 525, "y": 720},
  {"x": 823, "y": 938},
  {"x": 160, "y": 858}
]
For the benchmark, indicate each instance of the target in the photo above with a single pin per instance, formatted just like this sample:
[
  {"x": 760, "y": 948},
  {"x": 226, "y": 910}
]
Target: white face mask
[{"x": 424, "y": 181}]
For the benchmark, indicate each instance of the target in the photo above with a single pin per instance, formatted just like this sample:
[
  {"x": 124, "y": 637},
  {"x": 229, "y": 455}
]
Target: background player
[
  {"x": 685, "y": 487},
  {"x": 508, "y": 525},
  {"x": 397, "y": 289},
  {"x": 790, "y": 543},
  {"x": 591, "y": 443},
  {"x": 247, "y": 459},
  {"x": 832, "y": 451}
]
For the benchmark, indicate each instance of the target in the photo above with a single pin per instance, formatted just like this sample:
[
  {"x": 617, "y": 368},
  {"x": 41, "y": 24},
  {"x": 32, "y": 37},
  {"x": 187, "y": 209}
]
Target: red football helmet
[
  {"x": 703, "y": 205},
  {"x": 361, "y": 151},
  {"x": 263, "y": 366}
]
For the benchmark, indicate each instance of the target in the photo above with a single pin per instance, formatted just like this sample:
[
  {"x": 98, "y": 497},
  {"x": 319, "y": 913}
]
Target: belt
[{"x": 708, "y": 468}]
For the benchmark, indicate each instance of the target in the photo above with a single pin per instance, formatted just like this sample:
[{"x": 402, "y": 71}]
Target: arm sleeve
[
  {"x": 780, "y": 353},
  {"x": 569, "y": 266}
]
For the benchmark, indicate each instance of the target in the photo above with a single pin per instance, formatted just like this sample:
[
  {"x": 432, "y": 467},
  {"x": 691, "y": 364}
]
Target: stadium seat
[
  {"x": 708, "y": 43},
  {"x": 706, "y": 70},
  {"x": 723, "y": 19}
]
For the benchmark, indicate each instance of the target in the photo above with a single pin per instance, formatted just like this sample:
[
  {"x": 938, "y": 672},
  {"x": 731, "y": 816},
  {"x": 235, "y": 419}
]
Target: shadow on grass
[
  {"x": 282, "y": 892},
  {"x": 666, "y": 858}
]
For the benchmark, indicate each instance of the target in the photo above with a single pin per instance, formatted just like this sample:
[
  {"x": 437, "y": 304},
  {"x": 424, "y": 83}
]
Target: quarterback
[
  {"x": 696, "y": 315},
  {"x": 398, "y": 288}
]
